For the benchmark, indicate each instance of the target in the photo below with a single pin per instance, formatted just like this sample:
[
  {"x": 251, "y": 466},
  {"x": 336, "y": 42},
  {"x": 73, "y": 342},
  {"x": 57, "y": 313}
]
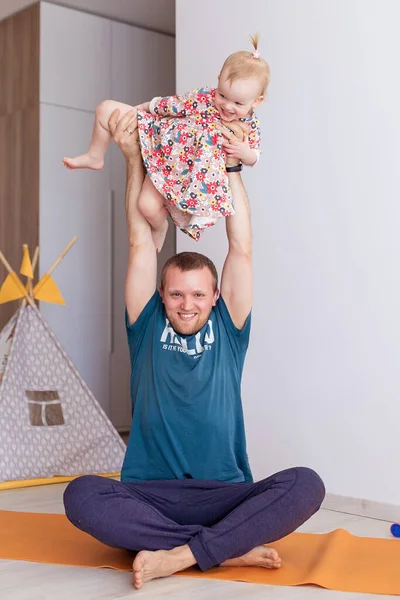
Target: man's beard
[{"x": 175, "y": 322}]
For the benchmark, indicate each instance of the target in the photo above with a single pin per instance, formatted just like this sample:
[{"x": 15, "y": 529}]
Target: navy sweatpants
[{"x": 218, "y": 520}]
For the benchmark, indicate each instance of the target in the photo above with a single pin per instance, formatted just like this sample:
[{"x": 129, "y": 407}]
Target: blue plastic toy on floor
[{"x": 395, "y": 529}]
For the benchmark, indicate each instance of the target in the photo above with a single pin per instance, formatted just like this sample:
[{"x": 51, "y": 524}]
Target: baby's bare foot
[
  {"x": 261, "y": 556},
  {"x": 84, "y": 161}
]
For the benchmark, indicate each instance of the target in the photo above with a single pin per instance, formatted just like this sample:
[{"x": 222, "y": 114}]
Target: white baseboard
[{"x": 362, "y": 508}]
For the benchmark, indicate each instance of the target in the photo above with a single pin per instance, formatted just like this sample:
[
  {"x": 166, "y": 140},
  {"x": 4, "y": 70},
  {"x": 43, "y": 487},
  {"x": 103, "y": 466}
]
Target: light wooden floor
[{"x": 30, "y": 581}]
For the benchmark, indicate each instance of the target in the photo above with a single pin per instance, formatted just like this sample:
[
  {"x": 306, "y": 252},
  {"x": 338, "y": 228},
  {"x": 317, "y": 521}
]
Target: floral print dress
[{"x": 183, "y": 155}]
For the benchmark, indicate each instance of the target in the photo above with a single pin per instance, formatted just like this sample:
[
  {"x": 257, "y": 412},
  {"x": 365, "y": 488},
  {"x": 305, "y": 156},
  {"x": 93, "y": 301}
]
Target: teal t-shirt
[{"x": 187, "y": 416}]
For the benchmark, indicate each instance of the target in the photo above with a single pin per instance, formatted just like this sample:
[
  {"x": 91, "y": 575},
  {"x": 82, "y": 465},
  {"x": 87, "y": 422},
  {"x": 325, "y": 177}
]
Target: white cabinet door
[
  {"x": 77, "y": 203},
  {"x": 75, "y": 58},
  {"x": 144, "y": 67},
  {"x": 144, "y": 63},
  {"x": 120, "y": 403}
]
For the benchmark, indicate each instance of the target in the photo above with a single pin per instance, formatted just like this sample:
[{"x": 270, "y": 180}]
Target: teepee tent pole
[
  {"x": 46, "y": 277},
  {"x": 29, "y": 286},
  {"x": 63, "y": 253},
  {"x": 6, "y": 263},
  {"x": 16, "y": 279},
  {"x": 34, "y": 263}
]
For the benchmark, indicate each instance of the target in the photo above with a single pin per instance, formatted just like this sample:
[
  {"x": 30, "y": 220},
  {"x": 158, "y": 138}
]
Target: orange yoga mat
[{"x": 336, "y": 560}]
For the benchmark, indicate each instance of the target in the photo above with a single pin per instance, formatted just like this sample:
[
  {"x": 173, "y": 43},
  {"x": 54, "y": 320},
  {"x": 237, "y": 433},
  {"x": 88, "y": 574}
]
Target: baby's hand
[{"x": 239, "y": 149}]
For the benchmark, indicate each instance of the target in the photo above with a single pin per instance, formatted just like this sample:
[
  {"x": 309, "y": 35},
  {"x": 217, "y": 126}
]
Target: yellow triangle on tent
[
  {"x": 12, "y": 289},
  {"x": 47, "y": 291},
  {"x": 26, "y": 265}
]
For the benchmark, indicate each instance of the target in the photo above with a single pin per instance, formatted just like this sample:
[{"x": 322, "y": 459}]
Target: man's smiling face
[{"x": 188, "y": 297}]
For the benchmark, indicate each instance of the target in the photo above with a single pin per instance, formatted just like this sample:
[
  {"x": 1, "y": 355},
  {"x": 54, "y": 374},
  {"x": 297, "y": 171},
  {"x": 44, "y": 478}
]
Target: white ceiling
[{"x": 153, "y": 14}]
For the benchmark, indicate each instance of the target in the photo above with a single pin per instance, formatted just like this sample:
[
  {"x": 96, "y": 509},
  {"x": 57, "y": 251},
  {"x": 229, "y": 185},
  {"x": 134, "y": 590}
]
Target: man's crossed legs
[{"x": 177, "y": 523}]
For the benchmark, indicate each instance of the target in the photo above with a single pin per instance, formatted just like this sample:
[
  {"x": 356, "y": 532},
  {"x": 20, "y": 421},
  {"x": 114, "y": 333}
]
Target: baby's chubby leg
[
  {"x": 151, "y": 205},
  {"x": 94, "y": 157}
]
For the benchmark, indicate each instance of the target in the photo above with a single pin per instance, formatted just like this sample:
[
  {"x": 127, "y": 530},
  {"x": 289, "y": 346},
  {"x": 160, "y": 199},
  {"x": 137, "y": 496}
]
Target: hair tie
[{"x": 256, "y": 54}]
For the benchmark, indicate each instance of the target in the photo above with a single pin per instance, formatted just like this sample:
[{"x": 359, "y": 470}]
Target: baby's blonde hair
[{"x": 246, "y": 65}]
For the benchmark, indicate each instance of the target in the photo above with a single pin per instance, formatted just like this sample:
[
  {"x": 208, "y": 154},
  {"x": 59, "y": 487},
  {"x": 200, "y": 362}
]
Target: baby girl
[{"x": 184, "y": 152}]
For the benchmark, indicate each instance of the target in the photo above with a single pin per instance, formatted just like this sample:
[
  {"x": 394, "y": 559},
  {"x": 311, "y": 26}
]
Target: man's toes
[
  {"x": 271, "y": 554},
  {"x": 137, "y": 574},
  {"x": 272, "y": 558},
  {"x": 137, "y": 579}
]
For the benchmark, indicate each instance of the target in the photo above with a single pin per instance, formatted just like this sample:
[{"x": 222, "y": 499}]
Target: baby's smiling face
[{"x": 237, "y": 99}]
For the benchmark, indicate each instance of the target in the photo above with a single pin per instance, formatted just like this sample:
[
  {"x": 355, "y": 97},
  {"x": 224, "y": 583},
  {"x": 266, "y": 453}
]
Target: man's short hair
[{"x": 190, "y": 261}]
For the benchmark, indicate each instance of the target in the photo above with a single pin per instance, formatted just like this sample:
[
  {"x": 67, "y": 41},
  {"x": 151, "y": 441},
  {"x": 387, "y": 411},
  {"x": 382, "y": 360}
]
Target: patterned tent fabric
[
  {"x": 50, "y": 423},
  {"x": 5, "y": 344}
]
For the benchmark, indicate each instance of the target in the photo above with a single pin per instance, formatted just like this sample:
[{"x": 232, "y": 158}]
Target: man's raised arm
[
  {"x": 237, "y": 274},
  {"x": 141, "y": 276}
]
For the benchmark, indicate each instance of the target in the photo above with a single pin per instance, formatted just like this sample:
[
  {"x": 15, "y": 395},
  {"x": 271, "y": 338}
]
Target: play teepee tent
[{"x": 51, "y": 427}]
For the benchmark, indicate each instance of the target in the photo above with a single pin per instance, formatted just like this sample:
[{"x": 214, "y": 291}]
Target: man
[{"x": 186, "y": 494}]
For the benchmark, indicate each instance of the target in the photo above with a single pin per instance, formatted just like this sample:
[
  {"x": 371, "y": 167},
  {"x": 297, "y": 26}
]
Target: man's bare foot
[
  {"x": 159, "y": 235},
  {"x": 84, "y": 161},
  {"x": 261, "y": 556},
  {"x": 161, "y": 563}
]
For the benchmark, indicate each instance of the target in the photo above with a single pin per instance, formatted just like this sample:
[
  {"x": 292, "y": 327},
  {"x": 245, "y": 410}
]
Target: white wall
[{"x": 322, "y": 381}]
